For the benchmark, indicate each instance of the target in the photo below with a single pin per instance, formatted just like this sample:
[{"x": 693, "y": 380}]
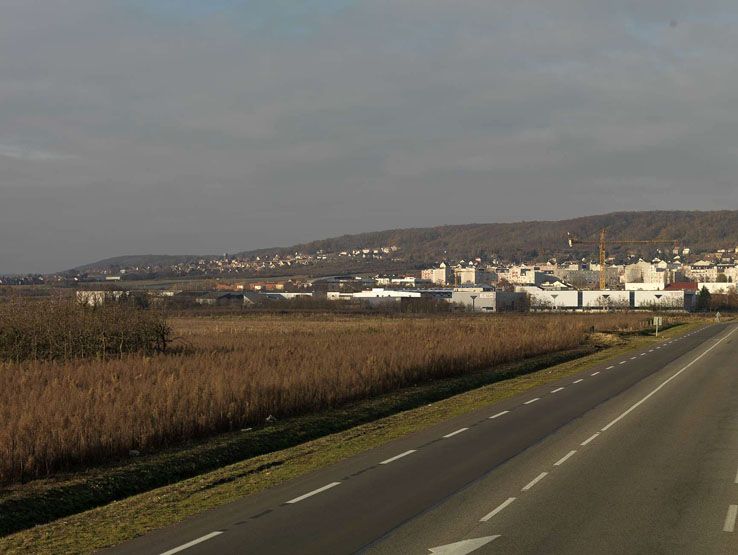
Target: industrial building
[
  {"x": 540, "y": 299},
  {"x": 486, "y": 299},
  {"x": 605, "y": 299}
]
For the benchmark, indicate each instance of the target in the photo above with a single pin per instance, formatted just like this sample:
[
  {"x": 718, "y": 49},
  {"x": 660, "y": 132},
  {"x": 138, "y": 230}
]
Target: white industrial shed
[
  {"x": 605, "y": 299},
  {"x": 551, "y": 300},
  {"x": 662, "y": 299},
  {"x": 717, "y": 287},
  {"x": 489, "y": 301}
]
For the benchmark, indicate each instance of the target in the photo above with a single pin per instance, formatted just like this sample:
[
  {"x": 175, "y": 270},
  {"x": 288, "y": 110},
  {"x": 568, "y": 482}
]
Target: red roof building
[{"x": 682, "y": 286}]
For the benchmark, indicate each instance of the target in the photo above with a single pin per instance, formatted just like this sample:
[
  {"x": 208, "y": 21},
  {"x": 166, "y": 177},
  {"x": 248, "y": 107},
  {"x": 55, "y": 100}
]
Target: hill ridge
[{"x": 530, "y": 239}]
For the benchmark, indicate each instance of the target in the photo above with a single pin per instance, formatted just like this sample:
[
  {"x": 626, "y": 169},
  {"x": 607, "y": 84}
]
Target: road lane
[
  {"x": 660, "y": 480},
  {"x": 369, "y": 499}
]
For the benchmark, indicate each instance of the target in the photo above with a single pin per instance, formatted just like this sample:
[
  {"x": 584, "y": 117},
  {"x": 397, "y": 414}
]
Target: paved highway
[{"x": 638, "y": 455}]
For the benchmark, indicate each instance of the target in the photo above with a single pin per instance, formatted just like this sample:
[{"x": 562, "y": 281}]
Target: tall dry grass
[{"x": 237, "y": 371}]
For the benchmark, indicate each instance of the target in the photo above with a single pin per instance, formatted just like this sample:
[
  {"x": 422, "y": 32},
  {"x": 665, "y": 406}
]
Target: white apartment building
[
  {"x": 702, "y": 271},
  {"x": 658, "y": 274},
  {"x": 471, "y": 275},
  {"x": 440, "y": 276}
]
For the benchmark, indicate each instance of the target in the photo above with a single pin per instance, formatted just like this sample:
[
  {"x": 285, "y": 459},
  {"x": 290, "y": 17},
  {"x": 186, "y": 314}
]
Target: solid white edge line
[
  {"x": 579, "y": 380},
  {"x": 729, "y": 525},
  {"x": 557, "y": 390},
  {"x": 187, "y": 545},
  {"x": 314, "y": 492},
  {"x": 456, "y": 432},
  {"x": 534, "y": 481},
  {"x": 393, "y": 459},
  {"x": 498, "y": 414},
  {"x": 532, "y": 401},
  {"x": 639, "y": 403},
  {"x": 590, "y": 438},
  {"x": 498, "y": 509},
  {"x": 565, "y": 458}
]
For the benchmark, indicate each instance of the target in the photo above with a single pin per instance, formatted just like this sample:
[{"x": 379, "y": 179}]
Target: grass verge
[{"x": 288, "y": 449}]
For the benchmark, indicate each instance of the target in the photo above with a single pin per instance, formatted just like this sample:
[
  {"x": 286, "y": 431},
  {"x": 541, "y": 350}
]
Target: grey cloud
[{"x": 127, "y": 129}]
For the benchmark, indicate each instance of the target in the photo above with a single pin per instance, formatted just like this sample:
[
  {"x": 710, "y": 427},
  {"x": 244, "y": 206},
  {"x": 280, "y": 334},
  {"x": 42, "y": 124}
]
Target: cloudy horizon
[{"x": 187, "y": 127}]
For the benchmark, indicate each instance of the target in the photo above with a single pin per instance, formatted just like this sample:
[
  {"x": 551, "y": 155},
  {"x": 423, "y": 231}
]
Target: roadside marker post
[{"x": 657, "y": 322}]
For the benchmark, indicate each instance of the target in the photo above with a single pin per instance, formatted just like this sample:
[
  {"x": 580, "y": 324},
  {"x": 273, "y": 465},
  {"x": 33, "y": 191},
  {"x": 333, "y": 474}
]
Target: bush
[{"x": 62, "y": 329}]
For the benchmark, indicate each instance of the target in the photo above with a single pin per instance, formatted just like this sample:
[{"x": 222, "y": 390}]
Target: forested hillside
[
  {"x": 520, "y": 241},
  {"x": 541, "y": 239}
]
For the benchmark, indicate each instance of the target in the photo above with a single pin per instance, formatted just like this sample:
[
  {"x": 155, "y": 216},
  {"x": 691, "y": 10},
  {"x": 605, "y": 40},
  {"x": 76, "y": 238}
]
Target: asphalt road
[{"x": 638, "y": 455}]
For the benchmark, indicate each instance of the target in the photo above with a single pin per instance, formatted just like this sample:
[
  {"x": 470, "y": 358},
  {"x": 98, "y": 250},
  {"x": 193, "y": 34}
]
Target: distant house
[
  {"x": 250, "y": 298},
  {"x": 220, "y": 298},
  {"x": 281, "y": 296},
  {"x": 97, "y": 298}
]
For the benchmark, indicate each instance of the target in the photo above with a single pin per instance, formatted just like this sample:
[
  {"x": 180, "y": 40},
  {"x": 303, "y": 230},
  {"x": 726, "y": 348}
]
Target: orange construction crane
[{"x": 601, "y": 242}]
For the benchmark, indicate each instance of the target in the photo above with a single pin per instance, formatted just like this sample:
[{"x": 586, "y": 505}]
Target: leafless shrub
[{"x": 62, "y": 329}]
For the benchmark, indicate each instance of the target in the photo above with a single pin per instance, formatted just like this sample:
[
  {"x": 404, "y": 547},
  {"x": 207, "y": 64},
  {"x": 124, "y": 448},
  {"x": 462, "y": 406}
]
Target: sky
[{"x": 212, "y": 126}]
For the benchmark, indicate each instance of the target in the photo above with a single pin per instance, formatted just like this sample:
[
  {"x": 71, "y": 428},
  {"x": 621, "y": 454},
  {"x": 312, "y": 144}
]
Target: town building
[{"x": 439, "y": 276}]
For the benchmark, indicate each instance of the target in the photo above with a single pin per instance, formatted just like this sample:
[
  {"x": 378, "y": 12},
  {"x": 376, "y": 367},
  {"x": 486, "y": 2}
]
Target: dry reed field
[{"x": 236, "y": 371}]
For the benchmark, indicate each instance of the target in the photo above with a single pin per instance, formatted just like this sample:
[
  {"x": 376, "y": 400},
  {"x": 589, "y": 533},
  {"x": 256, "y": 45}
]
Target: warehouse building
[
  {"x": 485, "y": 299},
  {"x": 606, "y": 300}
]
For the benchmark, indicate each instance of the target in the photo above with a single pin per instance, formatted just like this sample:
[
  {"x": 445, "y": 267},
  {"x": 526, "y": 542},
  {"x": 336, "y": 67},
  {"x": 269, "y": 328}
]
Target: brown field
[{"x": 236, "y": 371}]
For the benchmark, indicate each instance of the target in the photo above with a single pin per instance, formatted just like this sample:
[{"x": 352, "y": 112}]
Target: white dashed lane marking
[
  {"x": 393, "y": 459},
  {"x": 456, "y": 432},
  {"x": 193, "y": 543},
  {"x": 590, "y": 438},
  {"x": 565, "y": 458},
  {"x": 498, "y": 509},
  {"x": 729, "y": 525},
  {"x": 314, "y": 492},
  {"x": 534, "y": 481}
]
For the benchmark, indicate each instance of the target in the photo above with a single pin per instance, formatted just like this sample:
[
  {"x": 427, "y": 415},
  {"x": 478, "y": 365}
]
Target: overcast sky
[{"x": 211, "y": 126}]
